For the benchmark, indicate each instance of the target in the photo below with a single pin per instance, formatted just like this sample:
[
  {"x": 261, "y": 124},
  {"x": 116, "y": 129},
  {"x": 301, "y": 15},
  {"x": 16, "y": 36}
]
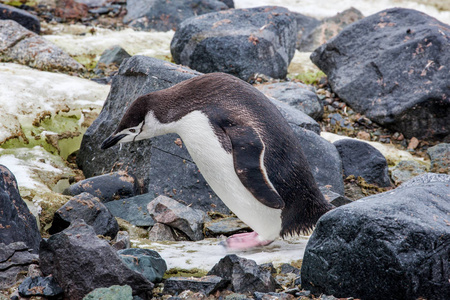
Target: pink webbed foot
[{"x": 244, "y": 241}]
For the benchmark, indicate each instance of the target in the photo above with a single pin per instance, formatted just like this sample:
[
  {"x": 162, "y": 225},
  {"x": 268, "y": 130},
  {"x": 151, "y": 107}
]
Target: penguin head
[{"x": 137, "y": 123}]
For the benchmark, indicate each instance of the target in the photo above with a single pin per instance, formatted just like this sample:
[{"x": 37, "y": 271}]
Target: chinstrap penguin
[{"x": 242, "y": 145}]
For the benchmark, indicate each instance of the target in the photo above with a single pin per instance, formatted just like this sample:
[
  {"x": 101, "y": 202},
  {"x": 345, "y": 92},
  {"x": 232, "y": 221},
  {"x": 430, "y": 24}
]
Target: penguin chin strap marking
[{"x": 142, "y": 126}]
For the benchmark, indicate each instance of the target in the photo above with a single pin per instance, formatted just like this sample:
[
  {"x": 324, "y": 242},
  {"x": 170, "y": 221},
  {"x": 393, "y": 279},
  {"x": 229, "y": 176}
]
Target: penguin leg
[{"x": 243, "y": 241}]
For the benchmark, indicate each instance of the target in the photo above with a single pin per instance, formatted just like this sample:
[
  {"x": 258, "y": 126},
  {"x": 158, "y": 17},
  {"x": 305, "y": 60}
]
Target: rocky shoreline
[{"x": 372, "y": 115}]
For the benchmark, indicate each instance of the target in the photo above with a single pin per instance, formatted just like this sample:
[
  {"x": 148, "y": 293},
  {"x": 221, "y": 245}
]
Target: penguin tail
[{"x": 301, "y": 215}]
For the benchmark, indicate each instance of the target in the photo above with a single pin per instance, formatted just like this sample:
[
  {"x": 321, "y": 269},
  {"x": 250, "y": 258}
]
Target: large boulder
[
  {"x": 241, "y": 42},
  {"x": 398, "y": 241},
  {"x": 24, "y": 18},
  {"x": 393, "y": 67},
  {"x": 81, "y": 262},
  {"x": 17, "y": 223},
  {"x": 20, "y": 45},
  {"x": 158, "y": 15}
]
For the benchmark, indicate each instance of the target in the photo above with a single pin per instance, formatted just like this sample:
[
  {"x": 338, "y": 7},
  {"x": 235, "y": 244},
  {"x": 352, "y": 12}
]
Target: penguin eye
[{"x": 132, "y": 130}]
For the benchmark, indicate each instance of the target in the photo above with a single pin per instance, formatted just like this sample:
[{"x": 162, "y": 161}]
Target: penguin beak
[{"x": 111, "y": 141}]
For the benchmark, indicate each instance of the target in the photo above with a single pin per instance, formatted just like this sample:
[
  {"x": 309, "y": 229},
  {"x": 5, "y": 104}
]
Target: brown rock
[
  {"x": 70, "y": 9},
  {"x": 161, "y": 232},
  {"x": 362, "y": 135},
  {"x": 413, "y": 143}
]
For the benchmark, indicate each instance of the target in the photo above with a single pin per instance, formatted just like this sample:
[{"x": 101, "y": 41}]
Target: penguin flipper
[{"x": 248, "y": 156}]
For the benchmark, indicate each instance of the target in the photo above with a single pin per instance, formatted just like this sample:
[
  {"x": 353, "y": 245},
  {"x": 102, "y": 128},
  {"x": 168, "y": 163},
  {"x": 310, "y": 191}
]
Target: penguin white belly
[{"x": 217, "y": 167}]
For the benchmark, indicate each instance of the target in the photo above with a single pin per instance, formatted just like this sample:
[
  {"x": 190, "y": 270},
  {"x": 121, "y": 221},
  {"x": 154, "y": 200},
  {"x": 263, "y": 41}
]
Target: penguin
[{"x": 243, "y": 147}]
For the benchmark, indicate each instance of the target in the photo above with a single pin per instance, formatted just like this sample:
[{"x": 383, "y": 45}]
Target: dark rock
[
  {"x": 40, "y": 286},
  {"x": 295, "y": 117},
  {"x": 206, "y": 284},
  {"x": 174, "y": 214},
  {"x": 244, "y": 275},
  {"x": 122, "y": 240},
  {"x": 22, "y": 17},
  {"x": 133, "y": 210},
  {"x": 398, "y": 241},
  {"x": 393, "y": 67},
  {"x": 406, "y": 170},
  {"x": 327, "y": 29},
  {"x": 19, "y": 45},
  {"x": 287, "y": 268},
  {"x": 91, "y": 210},
  {"x": 361, "y": 159},
  {"x": 241, "y": 42},
  {"x": 440, "y": 158},
  {"x": 113, "y": 56},
  {"x": 161, "y": 232},
  {"x": 159, "y": 16},
  {"x": 327, "y": 172},
  {"x": 334, "y": 198},
  {"x": 115, "y": 292},
  {"x": 71, "y": 10},
  {"x": 305, "y": 25},
  {"x": 108, "y": 187},
  {"x": 14, "y": 261},
  {"x": 17, "y": 223},
  {"x": 145, "y": 261},
  {"x": 227, "y": 226},
  {"x": 296, "y": 94},
  {"x": 81, "y": 262},
  {"x": 272, "y": 296}
]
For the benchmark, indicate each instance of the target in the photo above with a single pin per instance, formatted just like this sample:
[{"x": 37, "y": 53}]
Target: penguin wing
[{"x": 248, "y": 156}]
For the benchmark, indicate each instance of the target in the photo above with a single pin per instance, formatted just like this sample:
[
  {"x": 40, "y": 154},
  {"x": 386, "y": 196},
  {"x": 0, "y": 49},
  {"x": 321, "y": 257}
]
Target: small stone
[
  {"x": 236, "y": 269},
  {"x": 114, "y": 292},
  {"x": 227, "y": 226},
  {"x": 133, "y": 210},
  {"x": 334, "y": 198},
  {"x": 363, "y": 135},
  {"x": 34, "y": 271},
  {"x": 440, "y": 158},
  {"x": 287, "y": 268},
  {"x": 122, "y": 240},
  {"x": 89, "y": 208},
  {"x": 108, "y": 187},
  {"x": 40, "y": 286},
  {"x": 174, "y": 214},
  {"x": 161, "y": 232},
  {"x": 145, "y": 261},
  {"x": 206, "y": 284},
  {"x": 413, "y": 143}
]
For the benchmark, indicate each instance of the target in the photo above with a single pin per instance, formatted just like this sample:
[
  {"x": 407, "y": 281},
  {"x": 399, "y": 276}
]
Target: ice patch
[{"x": 206, "y": 253}]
